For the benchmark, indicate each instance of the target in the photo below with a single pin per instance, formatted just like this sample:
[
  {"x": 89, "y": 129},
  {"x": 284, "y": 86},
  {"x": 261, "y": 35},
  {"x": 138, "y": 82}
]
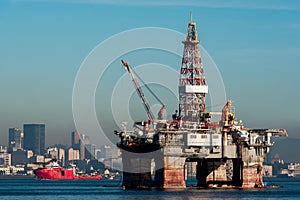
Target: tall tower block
[
  {"x": 34, "y": 138},
  {"x": 192, "y": 84}
]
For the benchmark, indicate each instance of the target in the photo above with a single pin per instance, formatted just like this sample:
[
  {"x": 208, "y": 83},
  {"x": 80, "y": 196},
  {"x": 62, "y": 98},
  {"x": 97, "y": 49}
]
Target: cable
[{"x": 149, "y": 89}]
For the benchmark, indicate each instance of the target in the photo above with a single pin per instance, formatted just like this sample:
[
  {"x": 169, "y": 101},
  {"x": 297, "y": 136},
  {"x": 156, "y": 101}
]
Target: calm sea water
[{"x": 11, "y": 189}]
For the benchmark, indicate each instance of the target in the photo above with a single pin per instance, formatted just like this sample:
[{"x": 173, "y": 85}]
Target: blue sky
[{"x": 255, "y": 44}]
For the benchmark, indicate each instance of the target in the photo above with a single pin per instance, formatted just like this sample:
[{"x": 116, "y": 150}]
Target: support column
[
  {"x": 174, "y": 172},
  {"x": 136, "y": 170},
  {"x": 237, "y": 177},
  {"x": 202, "y": 172},
  {"x": 252, "y": 176}
]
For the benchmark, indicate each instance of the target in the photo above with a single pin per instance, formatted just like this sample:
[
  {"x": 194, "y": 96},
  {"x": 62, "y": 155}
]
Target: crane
[{"x": 141, "y": 93}]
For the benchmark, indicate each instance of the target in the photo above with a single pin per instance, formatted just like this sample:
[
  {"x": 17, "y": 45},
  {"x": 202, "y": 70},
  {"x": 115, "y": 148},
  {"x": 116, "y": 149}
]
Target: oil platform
[{"x": 226, "y": 154}]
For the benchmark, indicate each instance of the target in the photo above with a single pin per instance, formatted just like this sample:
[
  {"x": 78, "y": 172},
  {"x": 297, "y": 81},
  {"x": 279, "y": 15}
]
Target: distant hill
[{"x": 288, "y": 149}]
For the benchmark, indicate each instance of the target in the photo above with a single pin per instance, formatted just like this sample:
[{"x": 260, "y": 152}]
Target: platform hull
[{"x": 138, "y": 172}]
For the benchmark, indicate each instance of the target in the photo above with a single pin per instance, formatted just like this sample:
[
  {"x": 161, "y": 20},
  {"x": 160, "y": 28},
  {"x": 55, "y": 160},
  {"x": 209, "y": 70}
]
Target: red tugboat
[{"x": 55, "y": 172}]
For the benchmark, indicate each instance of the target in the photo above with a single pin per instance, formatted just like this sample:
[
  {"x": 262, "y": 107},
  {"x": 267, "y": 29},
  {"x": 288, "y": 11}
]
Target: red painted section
[
  {"x": 252, "y": 177},
  {"x": 59, "y": 173},
  {"x": 174, "y": 178}
]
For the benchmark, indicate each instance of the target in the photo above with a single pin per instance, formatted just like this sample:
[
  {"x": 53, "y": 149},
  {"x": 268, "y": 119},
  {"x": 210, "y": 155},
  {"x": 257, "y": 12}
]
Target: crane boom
[{"x": 138, "y": 89}]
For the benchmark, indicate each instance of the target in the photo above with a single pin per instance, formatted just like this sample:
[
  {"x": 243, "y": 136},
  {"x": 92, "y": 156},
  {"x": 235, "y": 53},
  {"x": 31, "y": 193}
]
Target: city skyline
[
  {"x": 16, "y": 160},
  {"x": 45, "y": 42}
]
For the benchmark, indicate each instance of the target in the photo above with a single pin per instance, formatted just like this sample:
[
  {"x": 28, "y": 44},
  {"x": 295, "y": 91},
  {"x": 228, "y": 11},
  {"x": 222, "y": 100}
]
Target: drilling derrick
[{"x": 192, "y": 84}]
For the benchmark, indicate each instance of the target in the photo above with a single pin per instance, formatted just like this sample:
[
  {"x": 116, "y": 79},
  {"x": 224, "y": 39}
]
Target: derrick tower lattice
[{"x": 192, "y": 84}]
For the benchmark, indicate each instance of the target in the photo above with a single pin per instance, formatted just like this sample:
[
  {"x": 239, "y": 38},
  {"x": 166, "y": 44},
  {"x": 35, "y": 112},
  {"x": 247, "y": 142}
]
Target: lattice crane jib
[{"x": 192, "y": 84}]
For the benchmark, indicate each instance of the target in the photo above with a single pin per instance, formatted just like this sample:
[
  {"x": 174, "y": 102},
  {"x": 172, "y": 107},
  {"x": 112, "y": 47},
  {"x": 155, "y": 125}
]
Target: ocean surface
[{"x": 33, "y": 189}]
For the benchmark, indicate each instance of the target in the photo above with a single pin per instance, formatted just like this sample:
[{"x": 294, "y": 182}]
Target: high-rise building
[
  {"x": 15, "y": 138},
  {"x": 19, "y": 157},
  {"x": 3, "y": 149},
  {"x": 75, "y": 139},
  {"x": 84, "y": 139},
  {"x": 5, "y": 157},
  {"x": 107, "y": 152},
  {"x": 57, "y": 153},
  {"x": 73, "y": 154},
  {"x": 34, "y": 138},
  {"x": 89, "y": 151},
  {"x": 53, "y": 151}
]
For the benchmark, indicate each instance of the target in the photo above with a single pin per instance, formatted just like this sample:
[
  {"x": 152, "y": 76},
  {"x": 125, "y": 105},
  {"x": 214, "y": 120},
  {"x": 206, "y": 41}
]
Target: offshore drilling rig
[{"x": 227, "y": 154}]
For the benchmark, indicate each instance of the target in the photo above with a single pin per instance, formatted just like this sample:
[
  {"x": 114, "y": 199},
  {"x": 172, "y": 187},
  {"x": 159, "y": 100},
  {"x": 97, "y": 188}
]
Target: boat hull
[{"x": 60, "y": 173}]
